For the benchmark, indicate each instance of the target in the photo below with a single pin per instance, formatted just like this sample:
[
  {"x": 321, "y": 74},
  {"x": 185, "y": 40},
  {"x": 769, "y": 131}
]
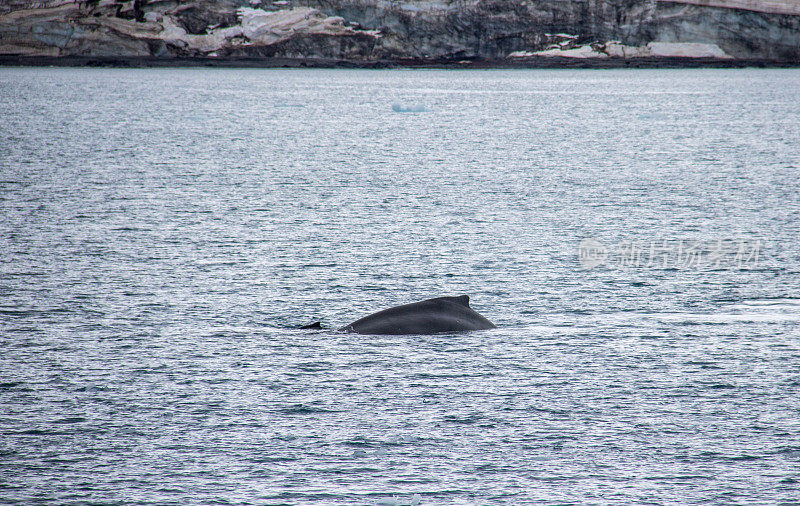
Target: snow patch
[
  {"x": 261, "y": 27},
  {"x": 617, "y": 50},
  {"x": 686, "y": 50},
  {"x": 578, "y": 52},
  {"x": 791, "y": 7}
]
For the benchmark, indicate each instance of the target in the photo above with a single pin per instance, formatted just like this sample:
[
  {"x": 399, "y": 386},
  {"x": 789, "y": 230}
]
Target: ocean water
[{"x": 633, "y": 233}]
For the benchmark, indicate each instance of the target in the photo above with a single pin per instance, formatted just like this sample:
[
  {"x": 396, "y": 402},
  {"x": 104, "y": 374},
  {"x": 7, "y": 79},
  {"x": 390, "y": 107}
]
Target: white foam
[
  {"x": 786, "y": 302},
  {"x": 728, "y": 317},
  {"x": 755, "y": 310},
  {"x": 751, "y": 311}
]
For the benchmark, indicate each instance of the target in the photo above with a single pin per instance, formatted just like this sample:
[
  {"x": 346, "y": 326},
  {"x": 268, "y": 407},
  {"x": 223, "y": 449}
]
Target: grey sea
[{"x": 633, "y": 234}]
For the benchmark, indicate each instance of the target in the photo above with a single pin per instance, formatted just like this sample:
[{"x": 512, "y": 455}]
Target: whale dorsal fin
[
  {"x": 315, "y": 325},
  {"x": 461, "y": 299}
]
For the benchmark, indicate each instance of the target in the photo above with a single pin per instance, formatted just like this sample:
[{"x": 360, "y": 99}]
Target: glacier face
[{"x": 372, "y": 30}]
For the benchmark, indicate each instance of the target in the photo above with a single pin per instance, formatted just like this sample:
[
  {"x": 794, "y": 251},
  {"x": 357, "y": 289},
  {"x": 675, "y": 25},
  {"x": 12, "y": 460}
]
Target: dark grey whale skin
[{"x": 432, "y": 316}]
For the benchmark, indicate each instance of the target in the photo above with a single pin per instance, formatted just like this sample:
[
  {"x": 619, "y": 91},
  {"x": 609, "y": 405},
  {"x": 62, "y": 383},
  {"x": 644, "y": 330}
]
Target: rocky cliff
[{"x": 375, "y": 30}]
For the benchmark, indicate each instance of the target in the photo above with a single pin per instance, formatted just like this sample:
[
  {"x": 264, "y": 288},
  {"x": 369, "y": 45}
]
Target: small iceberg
[
  {"x": 394, "y": 501},
  {"x": 418, "y": 107}
]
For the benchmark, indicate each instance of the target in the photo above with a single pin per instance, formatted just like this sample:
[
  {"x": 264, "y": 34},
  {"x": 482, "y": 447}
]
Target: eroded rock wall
[{"x": 369, "y": 30}]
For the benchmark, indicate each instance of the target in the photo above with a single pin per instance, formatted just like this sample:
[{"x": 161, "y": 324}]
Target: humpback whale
[{"x": 432, "y": 316}]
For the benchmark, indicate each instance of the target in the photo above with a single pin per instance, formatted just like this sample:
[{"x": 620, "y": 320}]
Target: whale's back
[{"x": 432, "y": 316}]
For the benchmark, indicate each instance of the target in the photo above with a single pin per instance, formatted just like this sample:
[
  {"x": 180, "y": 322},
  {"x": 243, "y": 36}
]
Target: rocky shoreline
[{"x": 534, "y": 62}]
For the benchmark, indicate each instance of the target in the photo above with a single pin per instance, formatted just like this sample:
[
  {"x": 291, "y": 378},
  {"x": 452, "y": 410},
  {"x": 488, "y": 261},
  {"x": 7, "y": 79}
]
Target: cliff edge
[{"x": 419, "y": 30}]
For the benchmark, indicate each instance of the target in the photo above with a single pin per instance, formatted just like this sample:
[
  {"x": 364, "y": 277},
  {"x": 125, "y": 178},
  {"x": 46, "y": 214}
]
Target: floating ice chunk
[
  {"x": 394, "y": 501},
  {"x": 417, "y": 107}
]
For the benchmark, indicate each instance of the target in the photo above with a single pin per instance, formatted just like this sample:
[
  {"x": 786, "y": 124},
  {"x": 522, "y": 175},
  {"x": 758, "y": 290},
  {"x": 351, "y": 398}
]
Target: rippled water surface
[{"x": 164, "y": 232}]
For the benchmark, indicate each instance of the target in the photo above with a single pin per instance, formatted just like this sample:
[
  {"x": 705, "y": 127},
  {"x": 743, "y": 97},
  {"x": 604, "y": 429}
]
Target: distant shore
[{"x": 531, "y": 62}]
